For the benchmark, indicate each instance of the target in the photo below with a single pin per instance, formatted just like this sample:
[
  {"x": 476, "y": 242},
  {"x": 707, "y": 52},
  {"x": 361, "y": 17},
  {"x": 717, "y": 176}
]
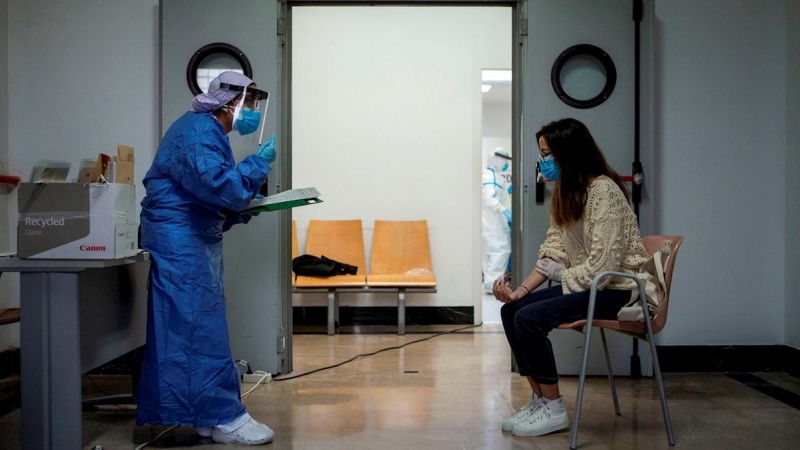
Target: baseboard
[
  {"x": 729, "y": 358},
  {"x": 385, "y": 315}
]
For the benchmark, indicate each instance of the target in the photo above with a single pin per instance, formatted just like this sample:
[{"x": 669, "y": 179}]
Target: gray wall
[
  {"x": 82, "y": 78},
  {"x": 792, "y": 335},
  {"x": 8, "y": 334},
  {"x": 720, "y": 140}
]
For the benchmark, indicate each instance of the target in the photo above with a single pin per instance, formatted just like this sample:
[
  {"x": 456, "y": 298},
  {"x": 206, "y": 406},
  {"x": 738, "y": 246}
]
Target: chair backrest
[
  {"x": 399, "y": 247},
  {"x": 653, "y": 244},
  {"x": 294, "y": 239},
  {"x": 340, "y": 240}
]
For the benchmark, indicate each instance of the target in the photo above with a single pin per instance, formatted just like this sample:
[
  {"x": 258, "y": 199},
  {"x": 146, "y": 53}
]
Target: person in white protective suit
[{"x": 496, "y": 217}]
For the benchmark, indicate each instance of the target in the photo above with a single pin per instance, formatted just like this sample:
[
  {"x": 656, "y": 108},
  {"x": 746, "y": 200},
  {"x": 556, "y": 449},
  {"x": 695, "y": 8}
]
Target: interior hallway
[{"x": 452, "y": 392}]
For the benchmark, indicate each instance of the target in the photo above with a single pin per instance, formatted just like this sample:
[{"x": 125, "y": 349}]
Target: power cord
[
  {"x": 249, "y": 371},
  {"x": 157, "y": 437},
  {"x": 374, "y": 353},
  {"x": 95, "y": 385}
]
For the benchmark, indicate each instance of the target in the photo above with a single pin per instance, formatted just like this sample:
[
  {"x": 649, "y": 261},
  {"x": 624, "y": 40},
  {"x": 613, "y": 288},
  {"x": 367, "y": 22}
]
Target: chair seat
[
  {"x": 9, "y": 315},
  {"x": 331, "y": 282},
  {"x": 633, "y": 328},
  {"x": 401, "y": 280}
]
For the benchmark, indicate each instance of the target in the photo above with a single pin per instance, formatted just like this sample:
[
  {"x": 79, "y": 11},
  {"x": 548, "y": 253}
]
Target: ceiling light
[
  {"x": 485, "y": 88},
  {"x": 496, "y": 76}
]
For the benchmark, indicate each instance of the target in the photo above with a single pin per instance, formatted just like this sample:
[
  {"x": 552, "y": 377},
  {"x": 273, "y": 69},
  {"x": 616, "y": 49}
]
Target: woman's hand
[{"x": 503, "y": 293}]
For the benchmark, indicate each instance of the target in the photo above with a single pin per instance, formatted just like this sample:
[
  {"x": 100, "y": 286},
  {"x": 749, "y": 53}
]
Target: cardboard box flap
[{"x": 124, "y": 165}]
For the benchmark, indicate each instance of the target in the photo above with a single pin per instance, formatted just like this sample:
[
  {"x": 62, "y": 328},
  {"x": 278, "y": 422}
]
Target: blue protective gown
[{"x": 188, "y": 374}]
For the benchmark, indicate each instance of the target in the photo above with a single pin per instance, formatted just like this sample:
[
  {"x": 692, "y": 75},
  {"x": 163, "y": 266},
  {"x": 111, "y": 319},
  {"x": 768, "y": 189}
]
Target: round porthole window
[
  {"x": 583, "y": 76},
  {"x": 211, "y": 60}
]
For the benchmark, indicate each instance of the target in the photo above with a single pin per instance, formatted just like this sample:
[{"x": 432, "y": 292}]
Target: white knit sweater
[{"x": 605, "y": 238}]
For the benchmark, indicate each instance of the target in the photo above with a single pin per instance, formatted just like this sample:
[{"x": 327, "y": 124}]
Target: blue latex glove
[
  {"x": 259, "y": 197},
  {"x": 267, "y": 150},
  {"x": 507, "y": 213}
]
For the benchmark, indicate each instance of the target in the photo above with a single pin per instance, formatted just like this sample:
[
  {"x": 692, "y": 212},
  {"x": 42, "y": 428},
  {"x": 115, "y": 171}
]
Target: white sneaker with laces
[
  {"x": 523, "y": 413},
  {"x": 251, "y": 433},
  {"x": 551, "y": 417}
]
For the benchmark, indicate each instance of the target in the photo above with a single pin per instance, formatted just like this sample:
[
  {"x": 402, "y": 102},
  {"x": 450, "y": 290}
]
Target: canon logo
[{"x": 92, "y": 248}]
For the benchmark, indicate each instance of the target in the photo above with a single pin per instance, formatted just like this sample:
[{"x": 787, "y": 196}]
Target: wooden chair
[
  {"x": 294, "y": 244},
  {"x": 340, "y": 240},
  {"x": 645, "y": 330},
  {"x": 401, "y": 261}
]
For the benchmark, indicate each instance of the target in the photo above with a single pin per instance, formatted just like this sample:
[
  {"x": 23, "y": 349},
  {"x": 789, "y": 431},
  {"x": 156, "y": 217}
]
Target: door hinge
[
  {"x": 523, "y": 27},
  {"x": 281, "y": 27},
  {"x": 281, "y": 346}
]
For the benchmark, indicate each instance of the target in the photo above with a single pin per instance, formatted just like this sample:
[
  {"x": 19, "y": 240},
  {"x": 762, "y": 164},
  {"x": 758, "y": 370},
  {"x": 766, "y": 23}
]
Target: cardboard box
[
  {"x": 114, "y": 169},
  {"x": 77, "y": 221}
]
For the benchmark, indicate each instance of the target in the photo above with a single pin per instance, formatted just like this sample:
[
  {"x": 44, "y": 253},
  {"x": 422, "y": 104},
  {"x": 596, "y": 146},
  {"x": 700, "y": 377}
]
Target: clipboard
[{"x": 285, "y": 200}]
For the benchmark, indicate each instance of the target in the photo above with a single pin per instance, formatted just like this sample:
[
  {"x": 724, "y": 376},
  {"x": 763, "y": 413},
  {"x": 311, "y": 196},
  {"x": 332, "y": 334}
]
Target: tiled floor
[{"x": 452, "y": 392}]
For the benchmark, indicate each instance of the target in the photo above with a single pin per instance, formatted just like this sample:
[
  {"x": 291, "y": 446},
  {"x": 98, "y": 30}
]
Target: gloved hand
[
  {"x": 550, "y": 268},
  {"x": 507, "y": 213},
  {"x": 259, "y": 197},
  {"x": 267, "y": 150}
]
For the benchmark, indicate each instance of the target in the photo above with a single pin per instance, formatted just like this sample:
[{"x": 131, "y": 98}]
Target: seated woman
[{"x": 592, "y": 229}]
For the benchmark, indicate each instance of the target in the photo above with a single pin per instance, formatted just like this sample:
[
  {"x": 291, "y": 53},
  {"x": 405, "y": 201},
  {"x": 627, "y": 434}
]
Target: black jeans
[{"x": 528, "y": 321}]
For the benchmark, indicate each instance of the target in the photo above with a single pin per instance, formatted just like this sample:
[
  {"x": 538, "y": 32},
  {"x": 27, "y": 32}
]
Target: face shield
[{"x": 250, "y": 111}]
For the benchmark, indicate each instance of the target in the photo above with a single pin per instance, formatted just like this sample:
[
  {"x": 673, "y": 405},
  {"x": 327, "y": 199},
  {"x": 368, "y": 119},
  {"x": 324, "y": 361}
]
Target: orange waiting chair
[
  {"x": 401, "y": 262},
  {"x": 294, "y": 245},
  {"x": 645, "y": 330},
  {"x": 343, "y": 241}
]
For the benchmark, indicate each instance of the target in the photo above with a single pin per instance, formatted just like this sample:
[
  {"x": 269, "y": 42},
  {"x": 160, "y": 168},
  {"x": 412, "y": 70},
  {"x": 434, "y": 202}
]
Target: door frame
[{"x": 519, "y": 32}]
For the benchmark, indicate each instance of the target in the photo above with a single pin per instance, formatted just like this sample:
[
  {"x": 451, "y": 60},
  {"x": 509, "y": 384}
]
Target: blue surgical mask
[
  {"x": 247, "y": 122},
  {"x": 547, "y": 166}
]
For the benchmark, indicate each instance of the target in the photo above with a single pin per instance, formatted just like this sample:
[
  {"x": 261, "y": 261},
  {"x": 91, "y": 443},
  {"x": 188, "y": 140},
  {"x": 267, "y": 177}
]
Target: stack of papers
[{"x": 286, "y": 199}]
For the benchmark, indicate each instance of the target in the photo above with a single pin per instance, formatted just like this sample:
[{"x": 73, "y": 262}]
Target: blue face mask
[
  {"x": 547, "y": 166},
  {"x": 247, "y": 122}
]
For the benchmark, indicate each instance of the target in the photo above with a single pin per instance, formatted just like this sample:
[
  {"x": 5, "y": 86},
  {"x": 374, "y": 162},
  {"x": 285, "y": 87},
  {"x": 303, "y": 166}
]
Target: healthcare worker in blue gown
[{"x": 193, "y": 192}]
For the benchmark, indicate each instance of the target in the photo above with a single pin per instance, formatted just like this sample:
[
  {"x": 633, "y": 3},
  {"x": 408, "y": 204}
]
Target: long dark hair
[{"x": 580, "y": 161}]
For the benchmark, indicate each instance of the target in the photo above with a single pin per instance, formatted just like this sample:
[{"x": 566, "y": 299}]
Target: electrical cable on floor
[
  {"x": 373, "y": 353},
  {"x": 397, "y": 347},
  {"x": 254, "y": 387},
  {"x": 95, "y": 386},
  {"x": 157, "y": 437}
]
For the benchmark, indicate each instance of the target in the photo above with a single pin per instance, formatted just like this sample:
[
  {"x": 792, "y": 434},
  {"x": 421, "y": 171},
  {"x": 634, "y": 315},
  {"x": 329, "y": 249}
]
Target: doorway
[
  {"x": 496, "y": 186},
  {"x": 389, "y": 97}
]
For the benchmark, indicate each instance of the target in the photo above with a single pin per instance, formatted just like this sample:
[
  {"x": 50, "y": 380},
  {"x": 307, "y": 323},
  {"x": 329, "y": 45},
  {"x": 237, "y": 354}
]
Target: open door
[
  {"x": 257, "y": 255},
  {"x": 549, "y": 30}
]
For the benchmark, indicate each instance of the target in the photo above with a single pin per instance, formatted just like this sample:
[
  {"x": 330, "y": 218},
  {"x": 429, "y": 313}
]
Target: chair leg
[
  {"x": 610, "y": 373},
  {"x": 401, "y": 312},
  {"x": 331, "y": 312},
  {"x": 664, "y": 407},
  {"x": 573, "y": 443},
  {"x": 656, "y": 366}
]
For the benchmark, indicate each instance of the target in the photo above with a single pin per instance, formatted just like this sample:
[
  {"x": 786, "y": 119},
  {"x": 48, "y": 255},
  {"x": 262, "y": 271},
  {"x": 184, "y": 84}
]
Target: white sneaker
[
  {"x": 534, "y": 404},
  {"x": 203, "y": 431},
  {"x": 251, "y": 433},
  {"x": 551, "y": 417}
]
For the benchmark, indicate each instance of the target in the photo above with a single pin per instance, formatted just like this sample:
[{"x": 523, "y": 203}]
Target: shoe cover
[{"x": 251, "y": 433}]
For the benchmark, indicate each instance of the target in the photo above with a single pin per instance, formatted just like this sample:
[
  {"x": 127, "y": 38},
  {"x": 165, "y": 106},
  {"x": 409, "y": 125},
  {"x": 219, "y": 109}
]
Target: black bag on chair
[{"x": 313, "y": 266}]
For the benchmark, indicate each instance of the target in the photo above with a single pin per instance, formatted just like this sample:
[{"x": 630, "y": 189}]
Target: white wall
[
  {"x": 720, "y": 140},
  {"x": 792, "y": 314},
  {"x": 386, "y": 124},
  {"x": 83, "y": 77},
  {"x": 496, "y": 126}
]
